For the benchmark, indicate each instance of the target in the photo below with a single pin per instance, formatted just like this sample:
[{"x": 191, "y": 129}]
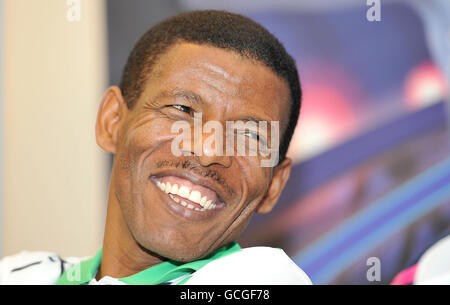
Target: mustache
[{"x": 197, "y": 169}]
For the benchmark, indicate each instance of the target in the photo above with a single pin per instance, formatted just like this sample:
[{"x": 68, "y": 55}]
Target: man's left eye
[{"x": 253, "y": 135}]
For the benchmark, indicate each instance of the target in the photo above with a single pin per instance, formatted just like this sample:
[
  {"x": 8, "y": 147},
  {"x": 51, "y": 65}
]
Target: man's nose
[{"x": 207, "y": 152}]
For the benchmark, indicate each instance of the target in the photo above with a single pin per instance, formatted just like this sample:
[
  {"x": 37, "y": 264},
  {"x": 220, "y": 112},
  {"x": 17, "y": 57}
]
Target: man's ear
[
  {"x": 279, "y": 179},
  {"x": 110, "y": 114}
]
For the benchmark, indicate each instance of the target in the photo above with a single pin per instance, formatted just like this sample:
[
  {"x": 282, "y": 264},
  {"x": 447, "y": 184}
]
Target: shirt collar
[{"x": 86, "y": 270}]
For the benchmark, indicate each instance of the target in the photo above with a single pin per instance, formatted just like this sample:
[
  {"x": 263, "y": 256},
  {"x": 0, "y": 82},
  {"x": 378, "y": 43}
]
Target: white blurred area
[{"x": 54, "y": 174}]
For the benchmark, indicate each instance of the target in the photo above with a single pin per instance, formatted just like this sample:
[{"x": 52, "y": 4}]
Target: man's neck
[{"x": 122, "y": 256}]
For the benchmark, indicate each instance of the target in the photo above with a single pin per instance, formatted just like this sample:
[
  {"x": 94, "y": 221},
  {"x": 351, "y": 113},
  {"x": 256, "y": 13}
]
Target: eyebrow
[
  {"x": 196, "y": 99},
  {"x": 252, "y": 119},
  {"x": 187, "y": 95}
]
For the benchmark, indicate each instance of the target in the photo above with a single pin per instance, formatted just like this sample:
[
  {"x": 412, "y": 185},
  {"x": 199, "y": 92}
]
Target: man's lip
[{"x": 195, "y": 180}]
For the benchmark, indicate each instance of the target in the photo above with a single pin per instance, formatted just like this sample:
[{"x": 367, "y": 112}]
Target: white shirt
[{"x": 249, "y": 266}]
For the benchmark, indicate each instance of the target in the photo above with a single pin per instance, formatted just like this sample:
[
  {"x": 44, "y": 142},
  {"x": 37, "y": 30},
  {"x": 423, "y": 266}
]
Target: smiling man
[{"x": 171, "y": 218}]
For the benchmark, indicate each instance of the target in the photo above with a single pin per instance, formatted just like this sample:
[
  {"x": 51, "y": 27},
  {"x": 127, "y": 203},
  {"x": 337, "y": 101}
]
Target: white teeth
[
  {"x": 185, "y": 192},
  {"x": 195, "y": 196},
  {"x": 168, "y": 187},
  {"x": 174, "y": 198}
]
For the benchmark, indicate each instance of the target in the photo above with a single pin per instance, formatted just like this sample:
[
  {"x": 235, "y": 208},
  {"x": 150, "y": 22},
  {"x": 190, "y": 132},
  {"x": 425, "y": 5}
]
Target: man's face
[{"x": 222, "y": 86}]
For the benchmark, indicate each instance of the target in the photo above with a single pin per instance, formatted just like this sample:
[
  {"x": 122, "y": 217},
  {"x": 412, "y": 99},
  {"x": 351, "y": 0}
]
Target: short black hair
[{"x": 220, "y": 29}]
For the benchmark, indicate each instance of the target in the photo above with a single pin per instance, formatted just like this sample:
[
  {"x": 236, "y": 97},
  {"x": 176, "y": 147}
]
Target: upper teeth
[{"x": 185, "y": 192}]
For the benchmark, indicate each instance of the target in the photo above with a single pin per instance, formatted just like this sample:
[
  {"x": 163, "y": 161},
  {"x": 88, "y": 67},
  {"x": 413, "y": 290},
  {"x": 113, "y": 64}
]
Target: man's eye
[
  {"x": 185, "y": 109},
  {"x": 253, "y": 135},
  {"x": 256, "y": 136}
]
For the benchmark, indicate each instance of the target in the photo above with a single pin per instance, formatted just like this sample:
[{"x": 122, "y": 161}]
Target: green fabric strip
[
  {"x": 84, "y": 272},
  {"x": 81, "y": 273}
]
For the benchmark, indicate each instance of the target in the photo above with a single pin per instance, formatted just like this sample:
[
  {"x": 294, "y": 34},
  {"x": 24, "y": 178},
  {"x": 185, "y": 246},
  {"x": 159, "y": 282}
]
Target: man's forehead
[
  {"x": 201, "y": 61},
  {"x": 192, "y": 71}
]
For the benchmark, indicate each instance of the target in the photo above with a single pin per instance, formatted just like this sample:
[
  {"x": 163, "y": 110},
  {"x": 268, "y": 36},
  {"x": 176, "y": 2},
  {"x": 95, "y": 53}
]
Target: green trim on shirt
[{"x": 86, "y": 270}]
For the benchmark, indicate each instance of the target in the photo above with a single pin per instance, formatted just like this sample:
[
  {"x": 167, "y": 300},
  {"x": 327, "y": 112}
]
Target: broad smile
[{"x": 189, "y": 194}]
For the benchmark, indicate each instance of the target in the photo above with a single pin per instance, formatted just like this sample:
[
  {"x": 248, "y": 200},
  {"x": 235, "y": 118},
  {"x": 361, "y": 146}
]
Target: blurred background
[{"x": 371, "y": 150}]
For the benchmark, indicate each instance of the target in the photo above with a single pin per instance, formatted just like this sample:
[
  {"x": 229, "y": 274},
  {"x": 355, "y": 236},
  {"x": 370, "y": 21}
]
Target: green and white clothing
[{"x": 228, "y": 265}]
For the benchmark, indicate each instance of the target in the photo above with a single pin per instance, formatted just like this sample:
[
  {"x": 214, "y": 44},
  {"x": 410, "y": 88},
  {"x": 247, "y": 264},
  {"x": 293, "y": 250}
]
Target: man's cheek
[
  {"x": 255, "y": 175},
  {"x": 257, "y": 188}
]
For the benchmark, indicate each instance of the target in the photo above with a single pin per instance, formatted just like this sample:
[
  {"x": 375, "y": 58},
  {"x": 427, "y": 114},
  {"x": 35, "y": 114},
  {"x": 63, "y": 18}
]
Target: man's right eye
[{"x": 185, "y": 109}]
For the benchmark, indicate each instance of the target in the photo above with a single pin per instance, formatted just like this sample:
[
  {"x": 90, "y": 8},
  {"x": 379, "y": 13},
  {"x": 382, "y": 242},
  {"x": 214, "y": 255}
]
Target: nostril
[{"x": 206, "y": 161}]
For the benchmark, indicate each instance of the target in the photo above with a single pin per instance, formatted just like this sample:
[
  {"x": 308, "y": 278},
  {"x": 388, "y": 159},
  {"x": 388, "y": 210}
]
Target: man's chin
[
  {"x": 183, "y": 257},
  {"x": 176, "y": 253}
]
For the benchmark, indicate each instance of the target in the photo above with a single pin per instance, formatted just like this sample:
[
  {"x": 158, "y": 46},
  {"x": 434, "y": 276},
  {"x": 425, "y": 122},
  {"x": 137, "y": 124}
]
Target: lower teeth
[{"x": 183, "y": 203}]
